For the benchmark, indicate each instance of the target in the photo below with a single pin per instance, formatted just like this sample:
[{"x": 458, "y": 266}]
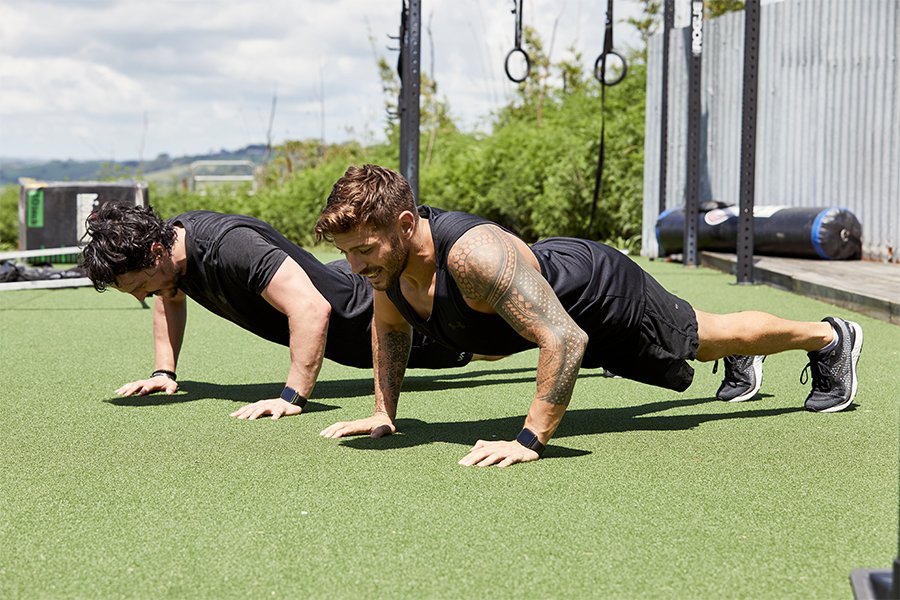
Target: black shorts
[{"x": 656, "y": 351}]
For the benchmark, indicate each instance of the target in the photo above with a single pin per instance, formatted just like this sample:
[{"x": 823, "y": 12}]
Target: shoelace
[
  {"x": 821, "y": 382},
  {"x": 732, "y": 369}
]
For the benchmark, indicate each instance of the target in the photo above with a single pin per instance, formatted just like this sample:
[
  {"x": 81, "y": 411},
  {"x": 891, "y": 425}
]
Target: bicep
[
  {"x": 385, "y": 314},
  {"x": 291, "y": 291},
  {"x": 491, "y": 270}
]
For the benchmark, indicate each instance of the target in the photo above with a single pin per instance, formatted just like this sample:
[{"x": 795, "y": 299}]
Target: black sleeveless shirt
[
  {"x": 232, "y": 258},
  {"x": 600, "y": 288}
]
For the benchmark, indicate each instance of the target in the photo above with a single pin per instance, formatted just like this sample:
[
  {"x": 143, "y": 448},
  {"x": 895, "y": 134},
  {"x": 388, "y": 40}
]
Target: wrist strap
[
  {"x": 170, "y": 374},
  {"x": 289, "y": 394},
  {"x": 528, "y": 439}
]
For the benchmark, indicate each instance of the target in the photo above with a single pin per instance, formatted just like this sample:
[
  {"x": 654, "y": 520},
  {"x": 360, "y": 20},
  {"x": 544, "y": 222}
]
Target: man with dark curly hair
[{"x": 242, "y": 269}]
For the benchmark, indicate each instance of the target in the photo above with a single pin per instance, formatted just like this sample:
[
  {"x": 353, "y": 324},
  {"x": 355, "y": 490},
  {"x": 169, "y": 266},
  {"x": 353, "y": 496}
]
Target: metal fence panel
[{"x": 828, "y": 132}]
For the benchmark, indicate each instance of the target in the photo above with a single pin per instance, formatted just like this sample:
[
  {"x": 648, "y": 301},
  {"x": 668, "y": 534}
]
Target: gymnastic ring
[
  {"x": 598, "y": 67},
  {"x": 527, "y": 65}
]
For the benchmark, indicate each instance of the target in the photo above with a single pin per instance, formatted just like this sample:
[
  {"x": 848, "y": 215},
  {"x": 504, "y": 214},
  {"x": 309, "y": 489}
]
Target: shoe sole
[
  {"x": 854, "y": 359},
  {"x": 757, "y": 377}
]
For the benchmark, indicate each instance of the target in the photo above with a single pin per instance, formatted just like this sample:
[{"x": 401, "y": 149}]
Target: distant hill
[{"x": 73, "y": 170}]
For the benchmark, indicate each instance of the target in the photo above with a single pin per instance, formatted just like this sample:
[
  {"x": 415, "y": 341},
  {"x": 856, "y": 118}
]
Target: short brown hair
[{"x": 367, "y": 195}]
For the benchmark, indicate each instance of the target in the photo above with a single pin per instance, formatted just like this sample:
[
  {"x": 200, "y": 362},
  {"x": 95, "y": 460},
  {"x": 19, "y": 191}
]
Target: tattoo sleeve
[
  {"x": 488, "y": 267},
  {"x": 390, "y": 352}
]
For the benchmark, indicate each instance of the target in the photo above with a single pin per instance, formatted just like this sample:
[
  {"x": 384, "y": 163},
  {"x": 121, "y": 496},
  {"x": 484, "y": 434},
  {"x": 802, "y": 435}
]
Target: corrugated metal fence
[{"x": 828, "y": 130}]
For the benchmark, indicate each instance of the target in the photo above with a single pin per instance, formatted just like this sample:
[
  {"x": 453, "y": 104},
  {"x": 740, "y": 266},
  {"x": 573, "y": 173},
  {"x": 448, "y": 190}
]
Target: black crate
[{"x": 52, "y": 215}]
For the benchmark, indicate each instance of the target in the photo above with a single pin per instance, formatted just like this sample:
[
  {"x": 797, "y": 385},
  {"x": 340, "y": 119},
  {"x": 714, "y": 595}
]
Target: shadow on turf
[
  {"x": 190, "y": 391},
  {"x": 588, "y": 421}
]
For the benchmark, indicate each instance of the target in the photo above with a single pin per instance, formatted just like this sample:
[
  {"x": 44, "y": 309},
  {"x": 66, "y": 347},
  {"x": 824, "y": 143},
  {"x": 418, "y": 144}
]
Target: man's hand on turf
[
  {"x": 276, "y": 407},
  {"x": 142, "y": 387},
  {"x": 378, "y": 425},
  {"x": 501, "y": 454}
]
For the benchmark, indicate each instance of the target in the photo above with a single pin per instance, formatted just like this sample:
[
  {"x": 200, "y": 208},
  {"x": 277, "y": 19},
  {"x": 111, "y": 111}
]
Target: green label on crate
[{"x": 35, "y": 209}]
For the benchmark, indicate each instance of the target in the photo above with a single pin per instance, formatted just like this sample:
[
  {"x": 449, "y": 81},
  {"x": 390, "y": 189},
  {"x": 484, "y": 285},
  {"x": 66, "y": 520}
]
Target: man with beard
[
  {"x": 242, "y": 269},
  {"x": 473, "y": 285}
]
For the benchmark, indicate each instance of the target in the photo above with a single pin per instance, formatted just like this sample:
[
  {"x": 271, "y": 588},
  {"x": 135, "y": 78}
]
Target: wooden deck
[{"x": 870, "y": 288}]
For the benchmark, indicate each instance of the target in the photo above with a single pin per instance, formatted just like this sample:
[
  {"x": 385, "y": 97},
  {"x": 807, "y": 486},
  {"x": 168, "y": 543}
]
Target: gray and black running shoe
[
  {"x": 834, "y": 372},
  {"x": 743, "y": 377}
]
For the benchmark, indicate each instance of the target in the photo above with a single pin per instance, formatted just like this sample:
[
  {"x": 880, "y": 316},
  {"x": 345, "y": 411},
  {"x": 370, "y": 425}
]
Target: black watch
[
  {"x": 528, "y": 439},
  {"x": 289, "y": 394}
]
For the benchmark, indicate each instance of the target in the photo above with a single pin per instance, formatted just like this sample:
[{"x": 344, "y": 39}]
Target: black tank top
[{"x": 600, "y": 288}]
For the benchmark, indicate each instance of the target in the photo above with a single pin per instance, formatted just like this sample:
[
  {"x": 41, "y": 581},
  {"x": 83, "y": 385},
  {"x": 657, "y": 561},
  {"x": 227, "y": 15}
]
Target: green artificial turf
[{"x": 642, "y": 493}]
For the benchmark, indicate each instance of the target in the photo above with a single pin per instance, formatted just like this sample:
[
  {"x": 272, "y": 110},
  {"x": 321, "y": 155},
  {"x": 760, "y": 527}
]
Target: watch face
[
  {"x": 530, "y": 440},
  {"x": 527, "y": 438}
]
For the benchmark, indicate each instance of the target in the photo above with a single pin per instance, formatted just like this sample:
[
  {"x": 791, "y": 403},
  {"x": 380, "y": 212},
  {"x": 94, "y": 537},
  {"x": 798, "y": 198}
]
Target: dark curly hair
[{"x": 119, "y": 240}]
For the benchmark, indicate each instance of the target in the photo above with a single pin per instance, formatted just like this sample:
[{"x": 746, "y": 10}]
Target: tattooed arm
[
  {"x": 495, "y": 274},
  {"x": 391, "y": 342}
]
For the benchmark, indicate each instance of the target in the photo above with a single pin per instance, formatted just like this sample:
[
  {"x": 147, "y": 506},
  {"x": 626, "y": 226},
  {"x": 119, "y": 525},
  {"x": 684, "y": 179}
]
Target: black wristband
[
  {"x": 528, "y": 439},
  {"x": 289, "y": 394},
  {"x": 170, "y": 374}
]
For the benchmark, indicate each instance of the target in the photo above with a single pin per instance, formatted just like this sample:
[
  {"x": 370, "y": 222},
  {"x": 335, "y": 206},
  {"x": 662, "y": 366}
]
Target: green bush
[
  {"x": 9, "y": 217},
  {"x": 534, "y": 173},
  {"x": 290, "y": 201}
]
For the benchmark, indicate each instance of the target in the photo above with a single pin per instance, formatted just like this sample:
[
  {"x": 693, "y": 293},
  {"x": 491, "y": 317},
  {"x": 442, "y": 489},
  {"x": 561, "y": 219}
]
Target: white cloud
[
  {"x": 77, "y": 76},
  {"x": 64, "y": 85}
]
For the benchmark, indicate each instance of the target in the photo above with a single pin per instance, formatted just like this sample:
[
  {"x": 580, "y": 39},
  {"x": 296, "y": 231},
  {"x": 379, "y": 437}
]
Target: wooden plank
[{"x": 871, "y": 288}]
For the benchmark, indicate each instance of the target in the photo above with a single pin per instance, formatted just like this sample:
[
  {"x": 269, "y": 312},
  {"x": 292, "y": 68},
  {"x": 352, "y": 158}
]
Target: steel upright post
[
  {"x": 694, "y": 158},
  {"x": 410, "y": 78},
  {"x": 669, "y": 24},
  {"x": 748, "y": 142}
]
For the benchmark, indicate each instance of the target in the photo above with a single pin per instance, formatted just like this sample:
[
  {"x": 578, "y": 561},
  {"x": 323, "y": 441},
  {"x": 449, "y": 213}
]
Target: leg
[{"x": 756, "y": 333}]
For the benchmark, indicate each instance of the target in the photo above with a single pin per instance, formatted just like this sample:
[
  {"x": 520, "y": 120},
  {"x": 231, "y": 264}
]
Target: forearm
[
  {"x": 556, "y": 375},
  {"x": 390, "y": 353},
  {"x": 169, "y": 322},
  {"x": 309, "y": 333}
]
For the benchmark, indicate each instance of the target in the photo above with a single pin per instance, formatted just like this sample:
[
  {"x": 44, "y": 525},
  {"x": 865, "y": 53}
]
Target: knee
[{"x": 713, "y": 336}]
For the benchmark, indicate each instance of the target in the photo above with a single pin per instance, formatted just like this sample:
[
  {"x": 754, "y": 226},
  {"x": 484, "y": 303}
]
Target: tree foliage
[
  {"x": 533, "y": 173},
  {"x": 717, "y": 8}
]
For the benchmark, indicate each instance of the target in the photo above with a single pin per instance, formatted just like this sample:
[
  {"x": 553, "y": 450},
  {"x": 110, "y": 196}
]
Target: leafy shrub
[
  {"x": 534, "y": 173},
  {"x": 9, "y": 217}
]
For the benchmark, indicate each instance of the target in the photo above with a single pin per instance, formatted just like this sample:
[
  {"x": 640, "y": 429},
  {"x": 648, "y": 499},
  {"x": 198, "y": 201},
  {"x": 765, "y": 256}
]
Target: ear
[
  {"x": 407, "y": 223},
  {"x": 158, "y": 250}
]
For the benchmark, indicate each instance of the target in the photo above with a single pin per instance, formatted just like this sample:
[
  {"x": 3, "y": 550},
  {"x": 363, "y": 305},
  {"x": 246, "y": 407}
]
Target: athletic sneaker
[
  {"x": 743, "y": 376},
  {"x": 834, "y": 372}
]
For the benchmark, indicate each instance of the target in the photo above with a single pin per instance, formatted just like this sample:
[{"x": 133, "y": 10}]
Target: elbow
[
  {"x": 320, "y": 312},
  {"x": 578, "y": 341},
  {"x": 572, "y": 341}
]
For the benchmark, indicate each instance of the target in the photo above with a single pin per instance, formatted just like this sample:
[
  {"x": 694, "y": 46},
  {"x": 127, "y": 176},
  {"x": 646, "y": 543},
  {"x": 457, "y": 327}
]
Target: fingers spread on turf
[
  {"x": 333, "y": 431},
  {"x": 499, "y": 453},
  {"x": 276, "y": 407},
  {"x": 358, "y": 427},
  {"x": 129, "y": 388},
  {"x": 148, "y": 386},
  {"x": 338, "y": 430}
]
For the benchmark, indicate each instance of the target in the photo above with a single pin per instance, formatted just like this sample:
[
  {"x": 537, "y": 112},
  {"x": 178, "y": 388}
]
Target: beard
[{"x": 394, "y": 265}]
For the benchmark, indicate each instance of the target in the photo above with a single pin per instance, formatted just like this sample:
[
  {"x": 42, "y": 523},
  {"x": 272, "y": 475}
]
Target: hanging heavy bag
[{"x": 825, "y": 233}]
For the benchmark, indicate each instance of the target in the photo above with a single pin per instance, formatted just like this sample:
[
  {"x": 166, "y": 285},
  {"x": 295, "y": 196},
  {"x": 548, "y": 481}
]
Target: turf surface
[{"x": 642, "y": 493}]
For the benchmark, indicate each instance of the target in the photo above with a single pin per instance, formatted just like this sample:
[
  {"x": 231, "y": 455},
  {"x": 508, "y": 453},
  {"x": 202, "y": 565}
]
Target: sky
[{"x": 132, "y": 79}]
